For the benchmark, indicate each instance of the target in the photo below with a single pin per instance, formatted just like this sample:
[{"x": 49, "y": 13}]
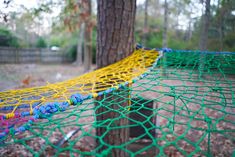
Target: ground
[
  {"x": 15, "y": 76},
  {"x": 189, "y": 119}
]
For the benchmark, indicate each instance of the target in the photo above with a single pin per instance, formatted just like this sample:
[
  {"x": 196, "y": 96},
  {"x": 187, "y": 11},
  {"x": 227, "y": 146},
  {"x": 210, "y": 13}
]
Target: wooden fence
[{"x": 32, "y": 55}]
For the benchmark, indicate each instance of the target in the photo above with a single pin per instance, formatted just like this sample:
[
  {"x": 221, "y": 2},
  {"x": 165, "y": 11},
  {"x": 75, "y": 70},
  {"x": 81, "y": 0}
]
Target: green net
[{"x": 183, "y": 105}]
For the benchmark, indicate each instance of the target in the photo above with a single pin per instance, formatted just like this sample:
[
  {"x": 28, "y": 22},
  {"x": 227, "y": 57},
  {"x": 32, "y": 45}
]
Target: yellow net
[{"x": 15, "y": 101}]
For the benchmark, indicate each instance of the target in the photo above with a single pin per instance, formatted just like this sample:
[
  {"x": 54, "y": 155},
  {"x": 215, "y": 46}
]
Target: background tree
[
  {"x": 77, "y": 15},
  {"x": 115, "y": 41},
  {"x": 164, "y": 40},
  {"x": 8, "y": 39},
  {"x": 88, "y": 35},
  {"x": 41, "y": 43},
  {"x": 183, "y": 31},
  {"x": 145, "y": 31},
  {"x": 205, "y": 26},
  {"x": 224, "y": 24}
]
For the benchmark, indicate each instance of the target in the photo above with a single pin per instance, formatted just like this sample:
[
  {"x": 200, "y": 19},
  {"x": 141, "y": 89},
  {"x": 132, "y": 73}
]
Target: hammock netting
[{"x": 167, "y": 103}]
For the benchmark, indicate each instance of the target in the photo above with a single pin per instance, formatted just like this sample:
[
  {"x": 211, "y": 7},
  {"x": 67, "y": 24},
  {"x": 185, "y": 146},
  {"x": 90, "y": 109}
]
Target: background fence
[{"x": 32, "y": 55}]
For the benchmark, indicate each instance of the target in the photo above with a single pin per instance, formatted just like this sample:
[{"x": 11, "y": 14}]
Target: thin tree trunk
[
  {"x": 88, "y": 41},
  {"x": 164, "y": 43},
  {"x": 115, "y": 41},
  {"x": 204, "y": 38},
  {"x": 221, "y": 34},
  {"x": 88, "y": 48},
  {"x": 178, "y": 9},
  {"x": 190, "y": 26},
  {"x": 205, "y": 27},
  {"x": 189, "y": 29},
  {"x": 220, "y": 28},
  {"x": 156, "y": 6},
  {"x": 145, "y": 22},
  {"x": 79, "y": 60}
]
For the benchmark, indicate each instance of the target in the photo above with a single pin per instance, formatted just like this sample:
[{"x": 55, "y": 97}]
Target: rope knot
[
  {"x": 76, "y": 98},
  {"x": 166, "y": 49},
  {"x": 208, "y": 120}
]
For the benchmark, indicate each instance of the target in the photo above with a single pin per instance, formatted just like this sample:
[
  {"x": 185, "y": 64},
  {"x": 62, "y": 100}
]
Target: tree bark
[
  {"x": 204, "y": 37},
  {"x": 205, "y": 27},
  {"x": 164, "y": 42},
  {"x": 115, "y": 41},
  {"x": 189, "y": 34},
  {"x": 87, "y": 38},
  {"x": 220, "y": 24},
  {"x": 115, "y": 38},
  {"x": 113, "y": 107},
  {"x": 145, "y": 22},
  {"x": 221, "y": 34},
  {"x": 156, "y": 6},
  {"x": 79, "y": 60},
  {"x": 88, "y": 49}
]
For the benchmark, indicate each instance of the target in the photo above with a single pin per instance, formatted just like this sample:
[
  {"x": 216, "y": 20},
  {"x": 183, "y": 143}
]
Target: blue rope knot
[
  {"x": 21, "y": 129},
  {"x": 138, "y": 46},
  {"x": 51, "y": 107},
  {"x": 25, "y": 113},
  {"x": 109, "y": 90},
  {"x": 36, "y": 116},
  {"x": 42, "y": 109},
  {"x": 64, "y": 106},
  {"x": 76, "y": 98},
  {"x": 166, "y": 49}
]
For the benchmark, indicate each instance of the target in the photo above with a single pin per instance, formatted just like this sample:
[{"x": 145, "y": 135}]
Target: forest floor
[{"x": 16, "y": 76}]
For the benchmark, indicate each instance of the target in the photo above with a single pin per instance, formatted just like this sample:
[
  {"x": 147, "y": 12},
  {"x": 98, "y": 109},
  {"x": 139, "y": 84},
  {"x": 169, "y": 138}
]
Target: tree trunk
[
  {"x": 115, "y": 41},
  {"x": 220, "y": 25},
  {"x": 204, "y": 37},
  {"x": 164, "y": 43},
  {"x": 221, "y": 34},
  {"x": 189, "y": 35},
  {"x": 145, "y": 22},
  {"x": 156, "y": 6},
  {"x": 88, "y": 48},
  {"x": 88, "y": 37},
  {"x": 115, "y": 38},
  {"x": 205, "y": 27},
  {"x": 79, "y": 60}
]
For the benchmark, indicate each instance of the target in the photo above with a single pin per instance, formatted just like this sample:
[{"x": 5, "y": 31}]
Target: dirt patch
[{"x": 15, "y": 76}]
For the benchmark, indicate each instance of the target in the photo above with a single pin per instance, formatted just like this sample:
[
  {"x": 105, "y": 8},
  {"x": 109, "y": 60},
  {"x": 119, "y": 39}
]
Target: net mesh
[{"x": 178, "y": 104}]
